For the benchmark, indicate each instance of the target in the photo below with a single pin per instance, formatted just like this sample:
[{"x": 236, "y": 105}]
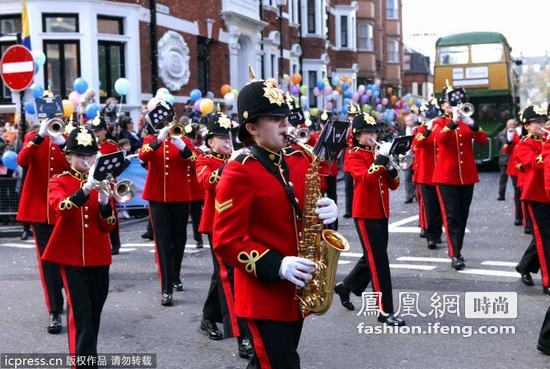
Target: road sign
[{"x": 17, "y": 68}]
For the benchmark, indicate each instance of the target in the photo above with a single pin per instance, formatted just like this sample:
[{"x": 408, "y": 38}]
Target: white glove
[
  {"x": 236, "y": 153},
  {"x": 468, "y": 120},
  {"x": 519, "y": 130},
  {"x": 510, "y": 134},
  {"x": 178, "y": 142},
  {"x": 43, "y": 130},
  {"x": 163, "y": 134},
  {"x": 102, "y": 197},
  {"x": 327, "y": 210},
  {"x": 429, "y": 124},
  {"x": 296, "y": 270},
  {"x": 91, "y": 182},
  {"x": 456, "y": 114},
  {"x": 59, "y": 140},
  {"x": 384, "y": 149}
]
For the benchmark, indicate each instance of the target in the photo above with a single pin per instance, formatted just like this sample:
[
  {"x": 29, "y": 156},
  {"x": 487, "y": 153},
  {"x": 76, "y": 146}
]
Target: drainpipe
[
  {"x": 154, "y": 47},
  {"x": 261, "y": 40}
]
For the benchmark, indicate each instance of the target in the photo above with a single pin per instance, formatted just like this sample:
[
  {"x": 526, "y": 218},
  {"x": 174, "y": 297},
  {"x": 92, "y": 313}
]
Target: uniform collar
[
  {"x": 273, "y": 156},
  {"x": 218, "y": 156},
  {"x": 75, "y": 173},
  {"x": 534, "y": 137},
  {"x": 364, "y": 147}
]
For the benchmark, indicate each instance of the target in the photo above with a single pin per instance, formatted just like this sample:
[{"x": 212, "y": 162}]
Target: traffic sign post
[{"x": 17, "y": 68}]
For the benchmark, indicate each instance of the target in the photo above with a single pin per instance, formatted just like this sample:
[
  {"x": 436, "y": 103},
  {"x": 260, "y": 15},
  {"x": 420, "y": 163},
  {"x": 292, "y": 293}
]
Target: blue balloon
[
  {"x": 348, "y": 93},
  {"x": 335, "y": 81},
  {"x": 37, "y": 90},
  {"x": 195, "y": 95},
  {"x": 345, "y": 86},
  {"x": 10, "y": 160},
  {"x": 320, "y": 84},
  {"x": 418, "y": 102},
  {"x": 80, "y": 85},
  {"x": 91, "y": 110},
  {"x": 36, "y": 68},
  {"x": 345, "y": 109},
  {"x": 376, "y": 93},
  {"x": 29, "y": 108},
  {"x": 122, "y": 86},
  {"x": 170, "y": 99}
]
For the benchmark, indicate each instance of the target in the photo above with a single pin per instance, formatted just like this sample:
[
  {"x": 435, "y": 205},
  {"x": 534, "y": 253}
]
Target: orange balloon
[
  {"x": 296, "y": 78},
  {"x": 225, "y": 89},
  {"x": 339, "y": 89},
  {"x": 393, "y": 99}
]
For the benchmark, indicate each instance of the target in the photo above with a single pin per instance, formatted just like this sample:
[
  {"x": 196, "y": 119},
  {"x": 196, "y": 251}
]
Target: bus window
[
  {"x": 487, "y": 53},
  {"x": 493, "y": 112},
  {"x": 453, "y": 55}
]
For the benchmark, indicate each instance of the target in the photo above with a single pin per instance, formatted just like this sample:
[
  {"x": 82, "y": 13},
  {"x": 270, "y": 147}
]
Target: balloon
[
  {"x": 368, "y": 92},
  {"x": 152, "y": 103},
  {"x": 320, "y": 84},
  {"x": 295, "y": 90},
  {"x": 206, "y": 106},
  {"x": 304, "y": 101},
  {"x": 80, "y": 85},
  {"x": 316, "y": 91},
  {"x": 418, "y": 102},
  {"x": 210, "y": 95},
  {"x": 304, "y": 89},
  {"x": 91, "y": 110},
  {"x": 36, "y": 68},
  {"x": 37, "y": 90},
  {"x": 68, "y": 108},
  {"x": 377, "y": 82},
  {"x": 225, "y": 89},
  {"x": 235, "y": 92},
  {"x": 328, "y": 90},
  {"x": 74, "y": 97},
  {"x": 329, "y": 105},
  {"x": 376, "y": 93},
  {"x": 195, "y": 95},
  {"x": 197, "y": 106},
  {"x": 393, "y": 99},
  {"x": 29, "y": 107},
  {"x": 348, "y": 94},
  {"x": 296, "y": 78},
  {"x": 385, "y": 101},
  {"x": 345, "y": 86},
  {"x": 314, "y": 112},
  {"x": 39, "y": 57},
  {"x": 355, "y": 96},
  {"x": 378, "y": 108},
  {"x": 335, "y": 94},
  {"x": 334, "y": 81},
  {"x": 170, "y": 99},
  {"x": 229, "y": 98},
  {"x": 367, "y": 108},
  {"x": 161, "y": 93},
  {"x": 361, "y": 89},
  {"x": 9, "y": 158},
  {"x": 122, "y": 86},
  {"x": 377, "y": 100}
]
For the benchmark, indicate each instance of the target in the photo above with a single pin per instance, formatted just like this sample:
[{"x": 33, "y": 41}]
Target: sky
[{"x": 524, "y": 23}]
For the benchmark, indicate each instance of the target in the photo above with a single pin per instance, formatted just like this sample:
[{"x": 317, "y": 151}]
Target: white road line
[
  {"x": 151, "y": 244},
  {"x": 412, "y": 266},
  {"x": 352, "y": 254},
  {"x": 395, "y": 227},
  {"x": 425, "y": 259},
  {"x": 18, "y": 245},
  {"x": 343, "y": 262},
  {"x": 499, "y": 263},
  {"x": 498, "y": 273},
  {"x": 124, "y": 250}
]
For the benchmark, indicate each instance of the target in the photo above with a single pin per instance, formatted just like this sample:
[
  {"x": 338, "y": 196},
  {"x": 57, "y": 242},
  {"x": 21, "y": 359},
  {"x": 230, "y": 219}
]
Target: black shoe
[
  {"x": 147, "y": 236},
  {"x": 544, "y": 350},
  {"x": 527, "y": 231},
  {"x": 525, "y": 277},
  {"x": 408, "y": 201},
  {"x": 245, "y": 348},
  {"x": 546, "y": 291},
  {"x": 518, "y": 222},
  {"x": 391, "y": 319},
  {"x": 55, "y": 323},
  {"x": 211, "y": 329},
  {"x": 115, "y": 251},
  {"x": 422, "y": 233},
  {"x": 178, "y": 286},
  {"x": 432, "y": 244},
  {"x": 438, "y": 241},
  {"x": 457, "y": 263},
  {"x": 501, "y": 199},
  {"x": 343, "y": 293},
  {"x": 199, "y": 244},
  {"x": 166, "y": 299},
  {"x": 347, "y": 215},
  {"x": 24, "y": 235}
]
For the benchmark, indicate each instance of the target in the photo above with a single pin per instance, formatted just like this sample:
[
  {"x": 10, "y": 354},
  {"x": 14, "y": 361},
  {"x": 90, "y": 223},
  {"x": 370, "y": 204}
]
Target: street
[{"x": 133, "y": 321}]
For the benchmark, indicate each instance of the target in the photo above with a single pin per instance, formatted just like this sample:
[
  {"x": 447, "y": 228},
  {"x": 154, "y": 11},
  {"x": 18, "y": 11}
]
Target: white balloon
[{"x": 229, "y": 98}]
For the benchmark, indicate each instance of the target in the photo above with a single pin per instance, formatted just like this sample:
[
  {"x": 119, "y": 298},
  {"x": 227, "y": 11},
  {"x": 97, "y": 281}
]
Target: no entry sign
[{"x": 17, "y": 68}]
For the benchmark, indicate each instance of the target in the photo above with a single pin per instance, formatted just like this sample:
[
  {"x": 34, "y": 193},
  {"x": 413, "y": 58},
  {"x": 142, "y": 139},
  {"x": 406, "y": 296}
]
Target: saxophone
[{"x": 322, "y": 246}]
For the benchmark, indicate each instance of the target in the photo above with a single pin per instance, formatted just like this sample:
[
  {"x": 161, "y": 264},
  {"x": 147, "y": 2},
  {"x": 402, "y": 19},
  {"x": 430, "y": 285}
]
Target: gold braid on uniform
[
  {"x": 539, "y": 159},
  {"x": 66, "y": 204},
  {"x": 215, "y": 176},
  {"x": 420, "y": 137},
  {"x": 374, "y": 168},
  {"x": 146, "y": 148},
  {"x": 250, "y": 259}
]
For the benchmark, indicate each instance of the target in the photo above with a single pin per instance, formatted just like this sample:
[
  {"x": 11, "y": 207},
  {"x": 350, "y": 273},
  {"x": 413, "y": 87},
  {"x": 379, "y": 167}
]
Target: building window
[
  {"x": 312, "y": 82},
  {"x": 393, "y": 51},
  {"x": 344, "y": 31},
  {"x": 59, "y": 22},
  {"x": 392, "y": 9},
  {"x": 111, "y": 67},
  {"x": 62, "y": 65},
  {"x": 365, "y": 36},
  {"x": 9, "y": 25},
  {"x": 311, "y": 19},
  {"x": 406, "y": 62},
  {"x": 110, "y": 25},
  {"x": 273, "y": 65},
  {"x": 203, "y": 67}
]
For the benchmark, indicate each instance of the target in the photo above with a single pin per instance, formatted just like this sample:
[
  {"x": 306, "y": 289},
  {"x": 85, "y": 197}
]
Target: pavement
[{"x": 133, "y": 320}]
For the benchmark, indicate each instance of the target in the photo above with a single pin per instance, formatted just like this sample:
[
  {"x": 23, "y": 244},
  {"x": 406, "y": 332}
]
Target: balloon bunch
[
  {"x": 229, "y": 94},
  {"x": 162, "y": 94}
]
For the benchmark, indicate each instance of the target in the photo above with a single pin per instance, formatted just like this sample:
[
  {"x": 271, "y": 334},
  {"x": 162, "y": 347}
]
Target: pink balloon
[
  {"x": 377, "y": 82},
  {"x": 355, "y": 96},
  {"x": 316, "y": 91},
  {"x": 361, "y": 89},
  {"x": 197, "y": 106},
  {"x": 328, "y": 90},
  {"x": 368, "y": 92},
  {"x": 152, "y": 103},
  {"x": 74, "y": 98},
  {"x": 328, "y": 105},
  {"x": 385, "y": 101}
]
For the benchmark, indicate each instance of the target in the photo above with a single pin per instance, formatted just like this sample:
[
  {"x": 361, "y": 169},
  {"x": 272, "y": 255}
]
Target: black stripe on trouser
[
  {"x": 196, "y": 213},
  {"x": 169, "y": 220},
  {"x": 544, "y": 336},
  {"x": 456, "y": 205},
  {"x": 275, "y": 344},
  {"x": 517, "y": 202},
  {"x": 332, "y": 194},
  {"x": 375, "y": 256},
  {"x": 432, "y": 212},
  {"x": 540, "y": 215},
  {"x": 51, "y": 278},
  {"x": 348, "y": 188},
  {"x": 87, "y": 290}
]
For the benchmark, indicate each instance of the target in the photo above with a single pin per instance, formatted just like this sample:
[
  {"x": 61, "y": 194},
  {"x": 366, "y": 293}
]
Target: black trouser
[
  {"x": 196, "y": 213},
  {"x": 275, "y": 344},
  {"x": 544, "y": 336},
  {"x": 527, "y": 223},
  {"x": 374, "y": 264},
  {"x": 348, "y": 188},
  {"x": 114, "y": 235},
  {"x": 503, "y": 180},
  {"x": 409, "y": 186},
  {"x": 455, "y": 207},
  {"x": 517, "y": 196},
  {"x": 332, "y": 194},
  {"x": 432, "y": 212},
  {"x": 529, "y": 262},
  {"x": 540, "y": 216},
  {"x": 169, "y": 221},
  {"x": 49, "y": 272},
  {"x": 87, "y": 290}
]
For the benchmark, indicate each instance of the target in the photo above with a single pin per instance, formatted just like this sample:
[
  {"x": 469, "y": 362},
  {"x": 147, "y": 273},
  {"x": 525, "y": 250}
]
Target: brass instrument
[
  {"x": 405, "y": 161},
  {"x": 466, "y": 109},
  {"x": 303, "y": 135},
  {"x": 177, "y": 130},
  {"x": 392, "y": 162},
  {"x": 56, "y": 127},
  {"x": 122, "y": 191},
  {"x": 322, "y": 246}
]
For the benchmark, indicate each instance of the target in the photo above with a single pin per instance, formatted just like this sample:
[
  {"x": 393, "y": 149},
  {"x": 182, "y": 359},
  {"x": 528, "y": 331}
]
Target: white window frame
[
  {"x": 350, "y": 11},
  {"x": 370, "y": 46},
  {"x": 320, "y": 19},
  {"x": 392, "y": 53},
  {"x": 394, "y": 6}
]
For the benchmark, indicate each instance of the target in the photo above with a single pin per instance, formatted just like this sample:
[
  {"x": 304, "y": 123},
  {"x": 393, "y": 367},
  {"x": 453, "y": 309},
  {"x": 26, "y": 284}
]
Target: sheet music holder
[
  {"x": 401, "y": 145},
  {"x": 109, "y": 166},
  {"x": 49, "y": 107},
  {"x": 332, "y": 140},
  {"x": 160, "y": 115}
]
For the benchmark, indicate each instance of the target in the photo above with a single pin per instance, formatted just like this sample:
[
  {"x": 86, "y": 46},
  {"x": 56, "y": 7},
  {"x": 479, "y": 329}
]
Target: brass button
[
  {"x": 167, "y": 158},
  {"x": 165, "y": 173},
  {"x": 85, "y": 208},
  {"x": 461, "y": 162},
  {"x": 86, "y": 216},
  {"x": 85, "y": 226},
  {"x": 51, "y": 158},
  {"x": 461, "y": 153},
  {"x": 53, "y": 148},
  {"x": 271, "y": 157},
  {"x": 166, "y": 165},
  {"x": 291, "y": 184}
]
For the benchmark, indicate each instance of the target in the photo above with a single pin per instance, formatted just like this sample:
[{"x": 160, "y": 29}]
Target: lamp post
[{"x": 280, "y": 4}]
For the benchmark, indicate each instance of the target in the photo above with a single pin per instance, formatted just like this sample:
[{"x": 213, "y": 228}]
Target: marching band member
[
  {"x": 509, "y": 149},
  {"x": 371, "y": 210},
  {"x": 529, "y": 153},
  {"x": 43, "y": 158},
  {"x": 410, "y": 129},
  {"x": 80, "y": 243},
  {"x": 505, "y": 137},
  {"x": 353, "y": 111},
  {"x": 167, "y": 188},
  {"x": 258, "y": 202},
  {"x": 455, "y": 172}
]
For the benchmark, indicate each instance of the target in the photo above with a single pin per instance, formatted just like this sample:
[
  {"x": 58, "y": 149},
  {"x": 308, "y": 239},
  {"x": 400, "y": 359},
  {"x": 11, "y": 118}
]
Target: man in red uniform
[
  {"x": 529, "y": 153},
  {"x": 373, "y": 178},
  {"x": 259, "y": 203},
  {"x": 107, "y": 146},
  {"x": 353, "y": 111},
  {"x": 544, "y": 337},
  {"x": 43, "y": 157},
  {"x": 511, "y": 170},
  {"x": 455, "y": 171},
  {"x": 167, "y": 188},
  {"x": 80, "y": 244}
]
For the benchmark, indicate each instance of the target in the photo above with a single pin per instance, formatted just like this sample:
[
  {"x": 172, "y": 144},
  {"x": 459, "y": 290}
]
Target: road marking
[
  {"x": 18, "y": 245},
  {"x": 499, "y": 263},
  {"x": 425, "y": 259},
  {"x": 352, "y": 254},
  {"x": 152, "y": 244},
  {"x": 498, "y": 273},
  {"x": 412, "y": 266},
  {"x": 395, "y": 227},
  {"x": 124, "y": 250},
  {"x": 343, "y": 262}
]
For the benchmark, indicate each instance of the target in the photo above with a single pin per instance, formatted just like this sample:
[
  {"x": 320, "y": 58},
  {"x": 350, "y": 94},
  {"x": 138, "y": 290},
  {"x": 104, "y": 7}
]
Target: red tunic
[
  {"x": 108, "y": 147},
  {"x": 510, "y": 149},
  {"x": 455, "y": 164},
  {"x": 168, "y": 174},
  {"x": 425, "y": 150},
  {"x": 43, "y": 159},
  {"x": 371, "y": 184},
  {"x": 81, "y": 235},
  {"x": 529, "y": 153},
  {"x": 254, "y": 228},
  {"x": 209, "y": 169},
  {"x": 546, "y": 158}
]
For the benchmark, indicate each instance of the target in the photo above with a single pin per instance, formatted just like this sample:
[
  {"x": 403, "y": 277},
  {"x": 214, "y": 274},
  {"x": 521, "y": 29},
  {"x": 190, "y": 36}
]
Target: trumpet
[
  {"x": 177, "y": 130},
  {"x": 300, "y": 134},
  {"x": 56, "y": 127},
  {"x": 395, "y": 165},
  {"x": 466, "y": 109},
  {"x": 122, "y": 191}
]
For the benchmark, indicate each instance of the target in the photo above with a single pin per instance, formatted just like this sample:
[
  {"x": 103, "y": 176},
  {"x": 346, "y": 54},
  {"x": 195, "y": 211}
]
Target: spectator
[{"x": 127, "y": 131}]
